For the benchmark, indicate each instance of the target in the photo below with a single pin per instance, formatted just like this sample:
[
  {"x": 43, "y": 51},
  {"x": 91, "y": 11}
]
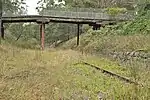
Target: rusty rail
[{"x": 111, "y": 73}]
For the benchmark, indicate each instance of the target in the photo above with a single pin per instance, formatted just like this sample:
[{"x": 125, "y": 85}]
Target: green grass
[{"x": 50, "y": 75}]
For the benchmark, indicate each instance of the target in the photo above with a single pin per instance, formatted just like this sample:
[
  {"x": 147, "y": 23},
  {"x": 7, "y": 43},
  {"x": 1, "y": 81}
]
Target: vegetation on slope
[
  {"x": 128, "y": 43},
  {"x": 126, "y": 37}
]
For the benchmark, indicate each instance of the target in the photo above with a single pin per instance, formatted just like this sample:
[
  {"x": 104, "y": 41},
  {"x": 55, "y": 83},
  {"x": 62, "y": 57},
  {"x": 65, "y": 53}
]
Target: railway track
[{"x": 122, "y": 78}]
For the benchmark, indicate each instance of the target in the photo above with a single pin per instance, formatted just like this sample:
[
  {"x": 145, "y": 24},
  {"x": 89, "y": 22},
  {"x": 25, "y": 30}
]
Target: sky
[{"x": 32, "y": 4}]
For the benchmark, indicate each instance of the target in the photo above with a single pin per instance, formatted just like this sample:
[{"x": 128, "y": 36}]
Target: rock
[
  {"x": 124, "y": 56},
  {"x": 86, "y": 98},
  {"x": 101, "y": 96},
  {"x": 127, "y": 53},
  {"x": 115, "y": 57},
  {"x": 136, "y": 54},
  {"x": 132, "y": 54}
]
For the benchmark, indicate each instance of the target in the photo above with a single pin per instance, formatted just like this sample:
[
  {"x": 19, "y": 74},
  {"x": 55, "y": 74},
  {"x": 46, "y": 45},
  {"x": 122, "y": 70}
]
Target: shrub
[{"x": 115, "y": 11}]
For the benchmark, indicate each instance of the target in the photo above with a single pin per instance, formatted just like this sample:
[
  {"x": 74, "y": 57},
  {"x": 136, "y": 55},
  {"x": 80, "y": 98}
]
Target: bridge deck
[
  {"x": 37, "y": 18},
  {"x": 66, "y": 17}
]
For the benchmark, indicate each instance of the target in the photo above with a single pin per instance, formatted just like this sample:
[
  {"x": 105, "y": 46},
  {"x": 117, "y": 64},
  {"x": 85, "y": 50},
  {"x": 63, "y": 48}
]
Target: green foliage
[
  {"x": 116, "y": 11},
  {"x": 30, "y": 44},
  {"x": 23, "y": 35},
  {"x": 24, "y": 31},
  {"x": 14, "y": 6},
  {"x": 59, "y": 32},
  {"x": 140, "y": 26},
  {"x": 99, "y": 3}
]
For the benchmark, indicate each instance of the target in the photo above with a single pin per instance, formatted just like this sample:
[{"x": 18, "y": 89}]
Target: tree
[
  {"x": 13, "y": 6},
  {"x": 99, "y": 3}
]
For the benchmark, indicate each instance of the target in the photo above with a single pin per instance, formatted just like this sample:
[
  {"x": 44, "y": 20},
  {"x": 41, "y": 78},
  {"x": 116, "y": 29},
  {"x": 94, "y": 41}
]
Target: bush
[
  {"x": 115, "y": 11},
  {"x": 30, "y": 44},
  {"x": 141, "y": 26}
]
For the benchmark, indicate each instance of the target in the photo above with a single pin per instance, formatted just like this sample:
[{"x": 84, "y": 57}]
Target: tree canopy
[{"x": 14, "y": 6}]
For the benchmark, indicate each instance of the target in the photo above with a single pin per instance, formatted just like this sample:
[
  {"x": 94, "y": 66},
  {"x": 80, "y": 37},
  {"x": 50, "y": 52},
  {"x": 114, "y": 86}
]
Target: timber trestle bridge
[{"x": 94, "y": 17}]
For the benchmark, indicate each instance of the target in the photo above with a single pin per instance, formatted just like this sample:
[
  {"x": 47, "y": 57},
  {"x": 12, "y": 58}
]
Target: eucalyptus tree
[
  {"x": 10, "y": 7},
  {"x": 99, "y": 3},
  {"x": 13, "y": 6}
]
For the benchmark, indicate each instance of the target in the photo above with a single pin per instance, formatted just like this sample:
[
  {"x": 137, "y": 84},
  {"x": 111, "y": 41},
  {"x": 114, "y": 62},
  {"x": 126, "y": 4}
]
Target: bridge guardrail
[
  {"x": 79, "y": 13},
  {"x": 86, "y": 15}
]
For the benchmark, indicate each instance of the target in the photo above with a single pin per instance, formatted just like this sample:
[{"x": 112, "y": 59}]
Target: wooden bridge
[{"x": 94, "y": 18}]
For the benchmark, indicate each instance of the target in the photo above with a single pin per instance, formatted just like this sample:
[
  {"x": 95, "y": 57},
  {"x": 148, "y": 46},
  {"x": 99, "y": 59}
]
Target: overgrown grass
[
  {"x": 52, "y": 75},
  {"x": 28, "y": 44},
  {"x": 95, "y": 42}
]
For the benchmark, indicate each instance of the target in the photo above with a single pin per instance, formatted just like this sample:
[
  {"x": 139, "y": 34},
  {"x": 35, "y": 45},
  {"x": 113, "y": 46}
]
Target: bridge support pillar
[
  {"x": 42, "y": 35},
  {"x": 78, "y": 34},
  {"x": 96, "y": 27},
  {"x": 2, "y": 30},
  {"x": 0, "y": 27}
]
